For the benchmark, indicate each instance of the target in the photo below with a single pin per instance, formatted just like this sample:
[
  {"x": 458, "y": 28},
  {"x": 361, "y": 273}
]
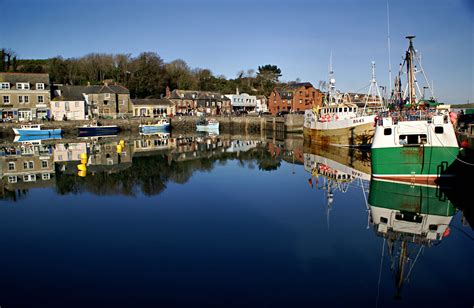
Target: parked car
[{"x": 282, "y": 113}]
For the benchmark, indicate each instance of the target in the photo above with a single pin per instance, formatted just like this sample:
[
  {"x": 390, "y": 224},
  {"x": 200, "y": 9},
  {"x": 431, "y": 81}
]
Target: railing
[{"x": 411, "y": 115}]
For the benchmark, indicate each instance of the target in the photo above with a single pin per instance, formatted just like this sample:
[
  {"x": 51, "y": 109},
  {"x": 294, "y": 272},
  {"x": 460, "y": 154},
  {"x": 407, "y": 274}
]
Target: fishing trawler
[
  {"x": 416, "y": 141},
  {"x": 341, "y": 122},
  {"x": 409, "y": 218}
]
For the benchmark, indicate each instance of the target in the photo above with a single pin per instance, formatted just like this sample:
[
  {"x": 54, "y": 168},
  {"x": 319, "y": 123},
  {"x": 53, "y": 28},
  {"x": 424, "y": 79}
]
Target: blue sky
[{"x": 228, "y": 36}]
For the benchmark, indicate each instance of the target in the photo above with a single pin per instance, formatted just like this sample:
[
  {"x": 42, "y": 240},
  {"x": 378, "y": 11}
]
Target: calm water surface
[{"x": 222, "y": 221}]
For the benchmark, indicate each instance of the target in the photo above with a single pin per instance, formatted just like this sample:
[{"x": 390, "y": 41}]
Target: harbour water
[{"x": 229, "y": 221}]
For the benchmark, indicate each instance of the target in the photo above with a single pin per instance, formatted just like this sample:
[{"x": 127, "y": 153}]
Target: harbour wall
[{"x": 183, "y": 124}]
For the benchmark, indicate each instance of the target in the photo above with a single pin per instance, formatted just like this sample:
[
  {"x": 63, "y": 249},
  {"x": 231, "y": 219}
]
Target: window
[
  {"x": 301, "y": 101},
  {"x": 12, "y": 179},
  {"x": 22, "y": 86},
  {"x": 29, "y": 178},
  {"x": 44, "y": 164},
  {"x": 28, "y": 165},
  {"x": 11, "y": 166},
  {"x": 124, "y": 102},
  {"x": 45, "y": 176},
  {"x": 40, "y": 86},
  {"x": 76, "y": 104},
  {"x": 56, "y": 104},
  {"x": 6, "y": 99},
  {"x": 23, "y": 99},
  {"x": 4, "y": 85},
  {"x": 40, "y": 99},
  {"x": 107, "y": 95}
]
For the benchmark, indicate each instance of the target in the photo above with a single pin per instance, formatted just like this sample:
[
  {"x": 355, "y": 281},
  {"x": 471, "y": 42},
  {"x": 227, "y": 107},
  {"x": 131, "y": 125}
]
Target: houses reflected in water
[{"x": 143, "y": 163}]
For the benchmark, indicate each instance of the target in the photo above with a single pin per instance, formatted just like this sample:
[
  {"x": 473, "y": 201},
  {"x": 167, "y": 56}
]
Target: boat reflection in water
[
  {"x": 409, "y": 218},
  {"x": 336, "y": 169}
]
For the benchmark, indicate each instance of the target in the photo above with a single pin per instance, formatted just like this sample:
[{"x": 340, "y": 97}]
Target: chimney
[
  {"x": 237, "y": 91},
  {"x": 88, "y": 83},
  {"x": 168, "y": 94}
]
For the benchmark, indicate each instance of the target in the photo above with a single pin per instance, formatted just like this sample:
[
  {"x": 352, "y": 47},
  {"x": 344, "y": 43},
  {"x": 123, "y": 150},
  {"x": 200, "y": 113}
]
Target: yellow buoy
[
  {"x": 119, "y": 148},
  {"x": 83, "y": 161},
  {"x": 81, "y": 167},
  {"x": 83, "y": 156},
  {"x": 122, "y": 143},
  {"x": 81, "y": 173}
]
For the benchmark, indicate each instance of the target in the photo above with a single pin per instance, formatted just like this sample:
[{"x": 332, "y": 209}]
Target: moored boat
[
  {"x": 36, "y": 130},
  {"x": 89, "y": 130},
  {"x": 417, "y": 143},
  {"x": 207, "y": 125},
  {"x": 161, "y": 126},
  {"x": 339, "y": 121}
]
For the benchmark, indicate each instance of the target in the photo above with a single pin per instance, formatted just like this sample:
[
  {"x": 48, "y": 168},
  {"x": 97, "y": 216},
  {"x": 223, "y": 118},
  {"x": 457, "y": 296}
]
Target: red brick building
[{"x": 294, "y": 97}]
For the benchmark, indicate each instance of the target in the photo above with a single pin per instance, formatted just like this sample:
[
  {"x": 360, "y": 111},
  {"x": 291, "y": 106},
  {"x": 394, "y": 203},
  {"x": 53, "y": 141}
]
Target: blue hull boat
[
  {"x": 35, "y": 130},
  {"x": 153, "y": 128},
  {"x": 32, "y": 138}
]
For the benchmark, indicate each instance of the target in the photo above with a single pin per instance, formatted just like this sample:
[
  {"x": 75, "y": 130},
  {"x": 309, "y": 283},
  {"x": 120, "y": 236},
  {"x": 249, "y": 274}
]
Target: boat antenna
[{"x": 389, "y": 55}]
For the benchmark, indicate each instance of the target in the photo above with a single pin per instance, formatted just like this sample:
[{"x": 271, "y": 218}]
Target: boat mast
[
  {"x": 374, "y": 91},
  {"x": 410, "y": 72},
  {"x": 332, "y": 82},
  {"x": 389, "y": 55}
]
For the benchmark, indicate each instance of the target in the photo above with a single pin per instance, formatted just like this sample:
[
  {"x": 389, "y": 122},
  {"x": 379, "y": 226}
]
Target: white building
[
  {"x": 241, "y": 102},
  {"x": 262, "y": 105},
  {"x": 70, "y": 104}
]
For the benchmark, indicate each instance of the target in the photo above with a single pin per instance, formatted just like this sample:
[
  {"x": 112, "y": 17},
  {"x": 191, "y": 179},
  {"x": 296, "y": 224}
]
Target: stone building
[
  {"x": 108, "y": 101},
  {"x": 24, "y": 96},
  {"x": 294, "y": 97},
  {"x": 199, "y": 102},
  {"x": 26, "y": 166}
]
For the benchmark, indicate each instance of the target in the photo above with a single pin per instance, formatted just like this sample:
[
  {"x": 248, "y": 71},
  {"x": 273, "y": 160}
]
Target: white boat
[
  {"x": 35, "y": 130},
  {"x": 211, "y": 125},
  {"x": 161, "y": 126},
  {"x": 341, "y": 122}
]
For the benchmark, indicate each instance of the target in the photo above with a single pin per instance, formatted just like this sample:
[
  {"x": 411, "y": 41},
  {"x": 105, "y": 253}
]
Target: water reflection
[
  {"x": 107, "y": 168},
  {"x": 409, "y": 218},
  {"x": 266, "y": 209},
  {"x": 336, "y": 169}
]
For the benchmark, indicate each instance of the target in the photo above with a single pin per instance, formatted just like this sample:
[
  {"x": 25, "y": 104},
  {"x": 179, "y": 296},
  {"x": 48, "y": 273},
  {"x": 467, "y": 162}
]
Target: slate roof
[
  {"x": 151, "y": 102},
  {"x": 197, "y": 95},
  {"x": 75, "y": 93},
  {"x": 31, "y": 78}
]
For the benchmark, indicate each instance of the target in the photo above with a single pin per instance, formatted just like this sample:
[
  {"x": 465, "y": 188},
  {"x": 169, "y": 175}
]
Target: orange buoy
[
  {"x": 446, "y": 232},
  {"x": 464, "y": 144}
]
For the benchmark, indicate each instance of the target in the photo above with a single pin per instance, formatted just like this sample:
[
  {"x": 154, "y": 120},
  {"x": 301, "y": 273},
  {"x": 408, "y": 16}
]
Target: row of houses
[{"x": 26, "y": 97}]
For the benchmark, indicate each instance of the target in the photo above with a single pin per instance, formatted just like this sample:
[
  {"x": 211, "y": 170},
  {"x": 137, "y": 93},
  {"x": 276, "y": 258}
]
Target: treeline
[{"x": 146, "y": 75}]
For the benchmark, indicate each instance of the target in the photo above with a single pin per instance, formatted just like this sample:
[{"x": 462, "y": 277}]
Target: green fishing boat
[{"x": 416, "y": 141}]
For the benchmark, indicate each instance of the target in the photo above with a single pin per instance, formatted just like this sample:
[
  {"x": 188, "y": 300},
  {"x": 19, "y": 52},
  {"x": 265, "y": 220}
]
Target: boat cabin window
[
  {"x": 340, "y": 109},
  {"x": 439, "y": 129},
  {"x": 345, "y": 109},
  {"x": 413, "y": 139},
  {"x": 387, "y": 131},
  {"x": 409, "y": 217}
]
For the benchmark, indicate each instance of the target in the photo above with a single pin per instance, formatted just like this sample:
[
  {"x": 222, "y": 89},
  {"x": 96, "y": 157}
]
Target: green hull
[
  {"x": 411, "y": 161},
  {"x": 408, "y": 198}
]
